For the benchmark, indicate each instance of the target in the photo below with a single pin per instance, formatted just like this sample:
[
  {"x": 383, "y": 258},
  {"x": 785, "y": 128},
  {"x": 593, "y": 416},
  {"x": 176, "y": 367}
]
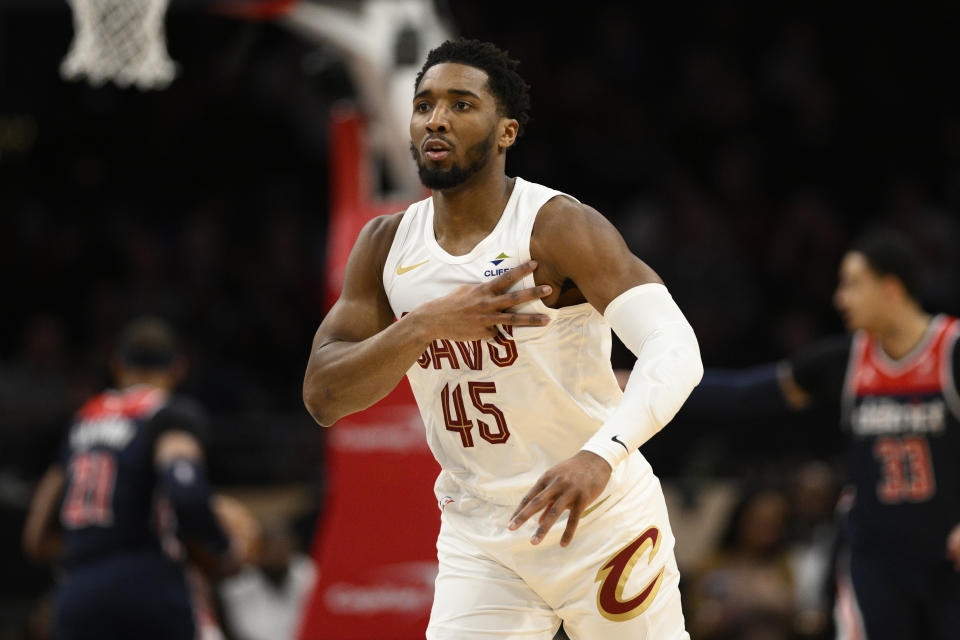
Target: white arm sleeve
[{"x": 668, "y": 367}]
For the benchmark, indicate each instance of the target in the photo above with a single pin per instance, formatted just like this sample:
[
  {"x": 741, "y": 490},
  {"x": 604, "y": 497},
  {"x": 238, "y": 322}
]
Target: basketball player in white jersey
[{"x": 496, "y": 297}]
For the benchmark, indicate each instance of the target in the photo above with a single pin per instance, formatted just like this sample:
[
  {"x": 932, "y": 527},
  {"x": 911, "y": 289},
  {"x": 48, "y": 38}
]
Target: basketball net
[{"x": 122, "y": 41}]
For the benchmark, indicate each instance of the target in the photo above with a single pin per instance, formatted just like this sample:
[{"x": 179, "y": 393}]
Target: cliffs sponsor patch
[{"x": 497, "y": 270}]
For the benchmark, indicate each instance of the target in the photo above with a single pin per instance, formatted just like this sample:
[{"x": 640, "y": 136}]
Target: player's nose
[{"x": 439, "y": 119}]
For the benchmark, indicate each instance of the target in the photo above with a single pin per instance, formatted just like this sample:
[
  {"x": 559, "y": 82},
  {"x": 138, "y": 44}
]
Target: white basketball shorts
[{"x": 617, "y": 580}]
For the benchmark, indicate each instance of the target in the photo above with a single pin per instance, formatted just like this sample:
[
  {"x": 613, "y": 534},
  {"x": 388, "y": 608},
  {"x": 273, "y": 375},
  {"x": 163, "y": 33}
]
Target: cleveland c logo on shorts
[{"x": 615, "y": 573}]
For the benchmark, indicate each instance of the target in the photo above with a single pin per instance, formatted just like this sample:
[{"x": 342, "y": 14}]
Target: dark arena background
[{"x": 738, "y": 146}]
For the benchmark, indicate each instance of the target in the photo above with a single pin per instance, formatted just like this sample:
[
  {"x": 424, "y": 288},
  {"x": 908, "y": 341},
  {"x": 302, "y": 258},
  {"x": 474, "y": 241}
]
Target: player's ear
[{"x": 507, "y": 130}]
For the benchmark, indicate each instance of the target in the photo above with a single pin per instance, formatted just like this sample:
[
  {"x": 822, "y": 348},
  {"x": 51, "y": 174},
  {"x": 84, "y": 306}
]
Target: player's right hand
[
  {"x": 573, "y": 485},
  {"x": 472, "y": 312}
]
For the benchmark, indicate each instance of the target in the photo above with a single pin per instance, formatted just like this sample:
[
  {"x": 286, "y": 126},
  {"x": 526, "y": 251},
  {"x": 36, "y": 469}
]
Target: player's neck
[
  {"x": 473, "y": 208},
  {"x": 904, "y": 332}
]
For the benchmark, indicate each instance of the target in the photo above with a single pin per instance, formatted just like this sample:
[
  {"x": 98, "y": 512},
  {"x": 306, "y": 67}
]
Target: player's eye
[
  {"x": 462, "y": 106},
  {"x": 421, "y": 107}
]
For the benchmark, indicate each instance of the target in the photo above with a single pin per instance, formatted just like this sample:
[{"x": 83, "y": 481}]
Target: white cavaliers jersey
[{"x": 500, "y": 412}]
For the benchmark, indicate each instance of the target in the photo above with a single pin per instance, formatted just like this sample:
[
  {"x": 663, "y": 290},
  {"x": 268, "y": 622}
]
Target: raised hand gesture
[{"x": 472, "y": 312}]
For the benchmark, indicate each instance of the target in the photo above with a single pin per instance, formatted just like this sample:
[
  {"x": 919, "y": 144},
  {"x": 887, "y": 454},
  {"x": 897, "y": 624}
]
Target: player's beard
[{"x": 439, "y": 179}]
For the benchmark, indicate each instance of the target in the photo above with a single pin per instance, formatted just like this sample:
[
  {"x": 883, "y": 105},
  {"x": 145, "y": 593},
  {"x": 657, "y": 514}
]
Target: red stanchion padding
[
  {"x": 351, "y": 204},
  {"x": 376, "y": 548}
]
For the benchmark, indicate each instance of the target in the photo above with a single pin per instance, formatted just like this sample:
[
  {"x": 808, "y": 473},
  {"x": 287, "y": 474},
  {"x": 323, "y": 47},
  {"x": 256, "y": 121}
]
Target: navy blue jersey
[
  {"x": 111, "y": 500},
  {"x": 903, "y": 421}
]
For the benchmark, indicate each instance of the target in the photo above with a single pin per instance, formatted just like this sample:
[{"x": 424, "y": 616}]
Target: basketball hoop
[{"x": 122, "y": 41}]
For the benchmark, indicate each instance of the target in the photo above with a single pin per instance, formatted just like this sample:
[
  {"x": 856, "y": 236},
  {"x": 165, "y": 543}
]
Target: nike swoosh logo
[
  {"x": 617, "y": 440},
  {"x": 403, "y": 270}
]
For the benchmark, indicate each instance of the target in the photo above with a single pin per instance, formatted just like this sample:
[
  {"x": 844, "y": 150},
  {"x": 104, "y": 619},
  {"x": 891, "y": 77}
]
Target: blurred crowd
[
  {"x": 737, "y": 147},
  {"x": 769, "y": 576}
]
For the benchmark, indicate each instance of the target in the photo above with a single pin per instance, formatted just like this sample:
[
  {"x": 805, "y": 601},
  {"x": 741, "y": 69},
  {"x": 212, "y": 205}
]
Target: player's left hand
[
  {"x": 573, "y": 484},
  {"x": 953, "y": 547}
]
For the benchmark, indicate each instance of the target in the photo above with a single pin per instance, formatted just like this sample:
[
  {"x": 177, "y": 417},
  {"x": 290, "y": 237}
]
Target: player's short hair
[
  {"x": 891, "y": 253},
  {"x": 510, "y": 90},
  {"x": 147, "y": 343}
]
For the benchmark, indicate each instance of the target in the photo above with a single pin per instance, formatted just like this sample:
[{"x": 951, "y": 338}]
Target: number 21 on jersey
[{"x": 91, "y": 478}]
